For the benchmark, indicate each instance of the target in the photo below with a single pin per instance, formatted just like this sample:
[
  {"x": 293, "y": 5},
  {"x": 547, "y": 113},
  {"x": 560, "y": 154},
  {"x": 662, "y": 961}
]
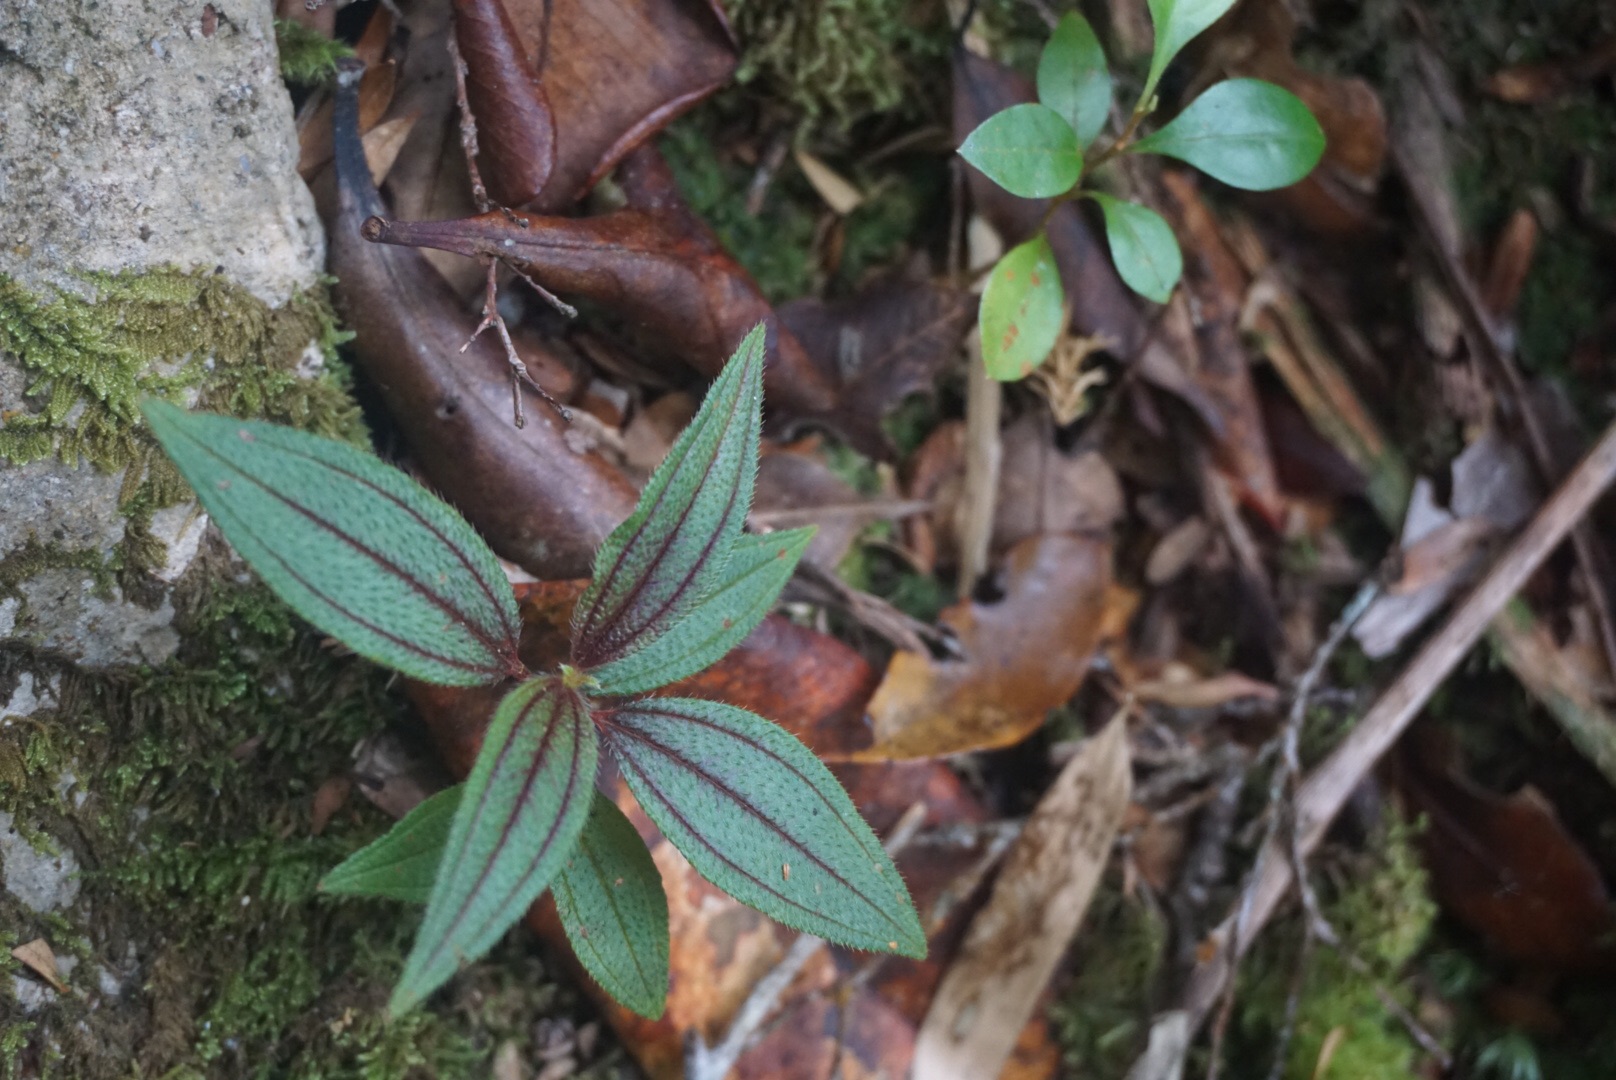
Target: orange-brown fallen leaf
[{"x": 1023, "y": 655}]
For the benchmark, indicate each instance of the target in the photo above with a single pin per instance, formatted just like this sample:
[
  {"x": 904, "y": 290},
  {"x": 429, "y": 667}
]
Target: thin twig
[
  {"x": 491, "y": 315},
  {"x": 1484, "y": 336},
  {"x": 1327, "y": 789},
  {"x": 703, "y": 1062}
]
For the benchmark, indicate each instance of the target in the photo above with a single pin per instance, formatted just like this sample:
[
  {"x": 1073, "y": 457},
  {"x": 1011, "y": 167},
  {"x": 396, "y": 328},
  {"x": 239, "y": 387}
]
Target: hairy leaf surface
[
  {"x": 1248, "y": 133},
  {"x": 1177, "y": 23},
  {"x": 670, "y": 553},
  {"x": 1028, "y": 150},
  {"x": 1073, "y": 79},
  {"x": 609, "y": 896},
  {"x": 758, "y": 568},
  {"x": 1023, "y": 310},
  {"x": 354, "y": 546},
  {"x": 402, "y": 863},
  {"x": 758, "y": 815},
  {"x": 524, "y": 804},
  {"x": 1142, "y": 246}
]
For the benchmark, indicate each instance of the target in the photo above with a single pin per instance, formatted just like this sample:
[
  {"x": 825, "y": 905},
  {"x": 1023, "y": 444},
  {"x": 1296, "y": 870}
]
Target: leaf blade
[
  {"x": 1245, "y": 132},
  {"x": 1073, "y": 78},
  {"x": 1028, "y": 150},
  {"x": 758, "y": 568},
  {"x": 1143, "y": 247},
  {"x": 1177, "y": 23},
  {"x": 1023, "y": 310},
  {"x": 352, "y": 545},
  {"x": 670, "y": 553},
  {"x": 763, "y": 819},
  {"x": 524, "y": 804},
  {"x": 610, "y": 899},
  {"x": 402, "y": 863}
]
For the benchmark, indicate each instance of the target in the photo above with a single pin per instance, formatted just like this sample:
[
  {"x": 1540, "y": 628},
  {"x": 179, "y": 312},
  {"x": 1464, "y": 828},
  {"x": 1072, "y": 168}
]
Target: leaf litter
[{"x": 1116, "y": 577}]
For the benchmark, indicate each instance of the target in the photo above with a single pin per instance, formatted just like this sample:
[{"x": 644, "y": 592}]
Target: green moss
[
  {"x": 840, "y": 60},
  {"x": 91, "y": 361},
  {"x": 1384, "y": 914},
  {"x": 190, "y": 814},
  {"x": 1102, "y": 1017},
  {"x": 774, "y": 245},
  {"x": 308, "y": 57}
]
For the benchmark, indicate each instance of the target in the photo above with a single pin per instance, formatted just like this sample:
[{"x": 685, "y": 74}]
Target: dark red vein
[
  {"x": 752, "y": 811},
  {"x": 449, "y": 661},
  {"x": 659, "y": 707},
  {"x": 533, "y": 772},
  {"x": 588, "y": 647},
  {"x": 503, "y": 649},
  {"x": 636, "y": 769},
  {"x": 488, "y": 590}
]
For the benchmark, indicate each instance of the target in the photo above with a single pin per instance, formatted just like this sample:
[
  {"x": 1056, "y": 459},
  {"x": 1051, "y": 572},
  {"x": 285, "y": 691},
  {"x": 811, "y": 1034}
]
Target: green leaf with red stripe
[
  {"x": 758, "y": 568},
  {"x": 523, "y": 806},
  {"x": 760, "y": 817},
  {"x": 609, "y": 896},
  {"x": 354, "y": 546},
  {"x": 670, "y": 553}
]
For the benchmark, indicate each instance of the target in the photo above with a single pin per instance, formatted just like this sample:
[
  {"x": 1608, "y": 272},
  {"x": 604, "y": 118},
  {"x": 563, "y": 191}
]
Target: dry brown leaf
[
  {"x": 328, "y": 799},
  {"x": 1043, "y": 490},
  {"x": 38, "y": 957},
  {"x": 1175, "y": 551},
  {"x": 1023, "y": 655},
  {"x": 1512, "y": 260},
  {"x": 1532, "y": 84},
  {"x": 383, "y": 143},
  {"x": 1037, "y": 905},
  {"x": 1505, "y": 867}
]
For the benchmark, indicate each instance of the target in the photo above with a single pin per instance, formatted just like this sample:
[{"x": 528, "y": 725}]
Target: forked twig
[
  {"x": 1326, "y": 790},
  {"x": 491, "y": 315}
]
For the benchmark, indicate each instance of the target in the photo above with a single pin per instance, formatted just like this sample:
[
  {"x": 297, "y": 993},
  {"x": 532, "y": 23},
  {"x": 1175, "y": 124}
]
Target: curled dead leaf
[{"x": 1024, "y": 654}]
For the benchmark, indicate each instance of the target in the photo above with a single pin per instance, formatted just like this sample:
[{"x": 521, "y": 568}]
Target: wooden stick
[{"x": 1323, "y": 794}]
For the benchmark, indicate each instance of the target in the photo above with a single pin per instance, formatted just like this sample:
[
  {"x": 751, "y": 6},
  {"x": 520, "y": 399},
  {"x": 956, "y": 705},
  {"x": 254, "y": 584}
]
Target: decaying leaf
[
  {"x": 1507, "y": 869},
  {"x": 532, "y": 497},
  {"x": 885, "y": 342},
  {"x": 1037, "y": 905},
  {"x": 657, "y": 60},
  {"x": 516, "y": 137},
  {"x": 1023, "y": 655}
]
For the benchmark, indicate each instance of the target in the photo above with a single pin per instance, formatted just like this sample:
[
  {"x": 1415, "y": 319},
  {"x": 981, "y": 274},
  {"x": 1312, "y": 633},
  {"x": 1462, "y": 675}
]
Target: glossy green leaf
[
  {"x": 1023, "y": 310},
  {"x": 609, "y": 896},
  {"x": 758, "y": 568},
  {"x": 758, "y": 815},
  {"x": 355, "y": 547},
  {"x": 1248, "y": 133},
  {"x": 524, "y": 804},
  {"x": 1143, "y": 247},
  {"x": 1073, "y": 79},
  {"x": 1177, "y": 23},
  {"x": 1028, "y": 150},
  {"x": 670, "y": 553},
  {"x": 401, "y": 864}
]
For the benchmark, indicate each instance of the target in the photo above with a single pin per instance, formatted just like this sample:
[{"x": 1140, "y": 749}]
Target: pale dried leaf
[
  {"x": 837, "y": 191},
  {"x": 1038, "y": 902},
  {"x": 38, "y": 957}
]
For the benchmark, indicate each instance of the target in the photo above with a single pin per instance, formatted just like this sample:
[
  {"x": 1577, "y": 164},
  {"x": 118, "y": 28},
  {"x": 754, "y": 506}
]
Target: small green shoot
[{"x": 1247, "y": 133}]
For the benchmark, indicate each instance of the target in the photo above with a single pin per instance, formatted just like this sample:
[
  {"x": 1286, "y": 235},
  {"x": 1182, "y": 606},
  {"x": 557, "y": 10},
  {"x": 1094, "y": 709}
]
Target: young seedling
[
  {"x": 369, "y": 557},
  {"x": 1247, "y": 133}
]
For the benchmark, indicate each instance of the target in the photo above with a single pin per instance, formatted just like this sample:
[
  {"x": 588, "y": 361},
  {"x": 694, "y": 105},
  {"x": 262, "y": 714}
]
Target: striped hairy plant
[{"x": 371, "y": 558}]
